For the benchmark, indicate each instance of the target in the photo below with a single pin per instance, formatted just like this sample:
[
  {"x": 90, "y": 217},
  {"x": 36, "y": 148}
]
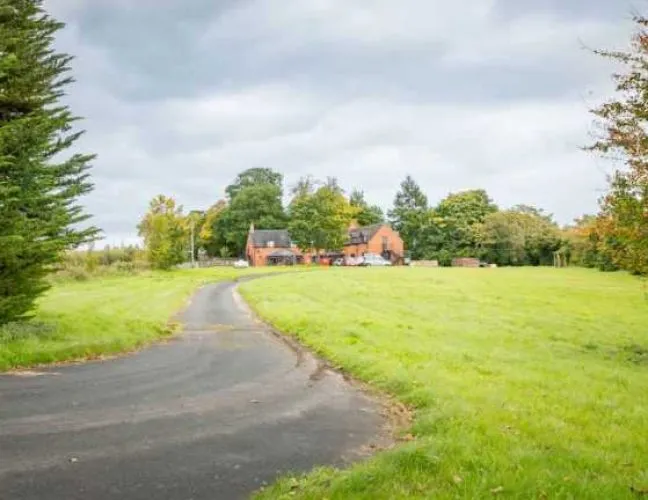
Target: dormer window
[{"x": 271, "y": 244}]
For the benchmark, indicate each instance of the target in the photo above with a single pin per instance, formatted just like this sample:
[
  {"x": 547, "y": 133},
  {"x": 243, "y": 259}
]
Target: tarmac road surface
[{"x": 215, "y": 413}]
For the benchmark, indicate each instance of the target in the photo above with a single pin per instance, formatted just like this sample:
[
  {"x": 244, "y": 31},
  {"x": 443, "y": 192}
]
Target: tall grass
[{"x": 82, "y": 265}]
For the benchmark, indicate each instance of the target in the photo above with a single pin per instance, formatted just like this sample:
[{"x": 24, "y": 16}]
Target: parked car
[
  {"x": 241, "y": 264},
  {"x": 370, "y": 260}
]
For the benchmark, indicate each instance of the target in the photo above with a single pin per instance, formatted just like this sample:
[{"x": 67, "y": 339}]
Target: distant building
[
  {"x": 275, "y": 246},
  {"x": 271, "y": 247},
  {"x": 379, "y": 239}
]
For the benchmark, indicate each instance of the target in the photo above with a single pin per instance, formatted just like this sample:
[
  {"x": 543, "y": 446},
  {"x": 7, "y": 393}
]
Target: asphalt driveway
[{"x": 212, "y": 414}]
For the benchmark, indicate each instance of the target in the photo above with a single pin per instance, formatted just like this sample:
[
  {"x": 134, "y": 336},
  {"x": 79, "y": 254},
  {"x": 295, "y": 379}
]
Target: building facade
[
  {"x": 275, "y": 246},
  {"x": 378, "y": 239},
  {"x": 271, "y": 247}
]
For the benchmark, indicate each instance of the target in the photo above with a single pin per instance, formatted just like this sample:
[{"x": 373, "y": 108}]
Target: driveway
[{"x": 212, "y": 414}]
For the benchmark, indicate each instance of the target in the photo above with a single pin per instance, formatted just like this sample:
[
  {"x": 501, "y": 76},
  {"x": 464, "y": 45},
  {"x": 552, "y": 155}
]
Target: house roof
[
  {"x": 261, "y": 238},
  {"x": 281, "y": 237},
  {"x": 360, "y": 235}
]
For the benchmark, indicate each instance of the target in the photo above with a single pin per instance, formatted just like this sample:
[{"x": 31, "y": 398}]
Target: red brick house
[
  {"x": 379, "y": 239},
  {"x": 274, "y": 246}
]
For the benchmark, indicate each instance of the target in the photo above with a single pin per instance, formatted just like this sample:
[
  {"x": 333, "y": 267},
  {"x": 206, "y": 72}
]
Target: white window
[{"x": 271, "y": 244}]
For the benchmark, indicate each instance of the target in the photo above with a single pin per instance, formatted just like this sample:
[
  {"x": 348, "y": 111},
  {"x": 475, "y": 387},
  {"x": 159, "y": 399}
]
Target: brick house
[
  {"x": 274, "y": 246},
  {"x": 379, "y": 239}
]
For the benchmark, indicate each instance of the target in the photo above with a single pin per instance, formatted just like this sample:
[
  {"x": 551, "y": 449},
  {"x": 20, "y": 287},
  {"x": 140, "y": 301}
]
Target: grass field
[
  {"x": 78, "y": 320},
  {"x": 526, "y": 383}
]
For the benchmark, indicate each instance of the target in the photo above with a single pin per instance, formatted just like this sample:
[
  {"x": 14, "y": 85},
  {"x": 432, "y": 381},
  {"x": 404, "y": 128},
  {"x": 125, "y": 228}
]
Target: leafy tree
[
  {"x": 39, "y": 215},
  {"x": 255, "y": 197},
  {"x": 258, "y": 204},
  {"x": 501, "y": 239},
  {"x": 583, "y": 242},
  {"x": 470, "y": 206},
  {"x": 212, "y": 240},
  {"x": 165, "y": 233},
  {"x": 451, "y": 233},
  {"x": 410, "y": 216},
  {"x": 624, "y": 126},
  {"x": 305, "y": 185},
  {"x": 366, "y": 214},
  {"x": 320, "y": 220},
  {"x": 515, "y": 238},
  {"x": 253, "y": 177}
]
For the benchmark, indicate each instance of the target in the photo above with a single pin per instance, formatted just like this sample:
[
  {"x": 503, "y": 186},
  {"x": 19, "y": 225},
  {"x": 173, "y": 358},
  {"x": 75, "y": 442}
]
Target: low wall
[
  {"x": 465, "y": 262},
  {"x": 425, "y": 263}
]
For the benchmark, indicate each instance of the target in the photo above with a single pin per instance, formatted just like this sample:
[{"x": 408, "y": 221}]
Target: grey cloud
[
  {"x": 572, "y": 9},
  {"x": 180, "y": 96}
]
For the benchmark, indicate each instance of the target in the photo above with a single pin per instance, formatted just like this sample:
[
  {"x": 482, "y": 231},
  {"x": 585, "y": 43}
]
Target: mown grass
[
  {"x": 104, "y": 316},
  {"x": 526, "y": 383}
]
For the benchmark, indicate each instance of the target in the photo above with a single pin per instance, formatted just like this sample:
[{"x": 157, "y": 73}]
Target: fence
[{"x": 209, "y": 263}]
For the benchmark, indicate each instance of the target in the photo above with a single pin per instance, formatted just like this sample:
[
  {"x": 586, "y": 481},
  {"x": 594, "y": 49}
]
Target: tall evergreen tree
[
  {"x": 39, "y": 214},
  {"x": 410, "y": 216}
]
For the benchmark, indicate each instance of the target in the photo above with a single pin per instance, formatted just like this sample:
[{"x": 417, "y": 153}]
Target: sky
[{"x": 178, "y": 96}]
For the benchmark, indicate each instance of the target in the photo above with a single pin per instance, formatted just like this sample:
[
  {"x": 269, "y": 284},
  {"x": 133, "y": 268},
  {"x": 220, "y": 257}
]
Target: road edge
[{"x": 398, "y": 417}]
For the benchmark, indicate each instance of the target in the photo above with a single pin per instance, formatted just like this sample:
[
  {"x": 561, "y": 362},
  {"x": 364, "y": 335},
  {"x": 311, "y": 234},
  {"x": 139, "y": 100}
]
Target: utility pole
[{"x": 193, "y": 250}]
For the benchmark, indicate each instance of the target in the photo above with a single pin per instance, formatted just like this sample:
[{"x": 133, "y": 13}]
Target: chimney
[{"x": 252, "y": 227}]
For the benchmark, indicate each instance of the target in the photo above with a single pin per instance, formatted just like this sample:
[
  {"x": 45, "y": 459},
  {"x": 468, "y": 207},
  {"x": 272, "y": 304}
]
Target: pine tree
[
  {"x": 39, "y": 214},
  {"x": 410, "y": 216}
]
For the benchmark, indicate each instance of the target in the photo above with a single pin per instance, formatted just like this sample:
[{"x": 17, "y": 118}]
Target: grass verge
[
  {"x": 85, "y": 320},
  {"x": 526, "y": 383}
]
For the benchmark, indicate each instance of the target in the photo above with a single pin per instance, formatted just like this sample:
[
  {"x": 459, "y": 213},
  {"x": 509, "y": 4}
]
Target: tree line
[
  {"x": 317, "y": 216},
  {"x": 319, "y": 213}
]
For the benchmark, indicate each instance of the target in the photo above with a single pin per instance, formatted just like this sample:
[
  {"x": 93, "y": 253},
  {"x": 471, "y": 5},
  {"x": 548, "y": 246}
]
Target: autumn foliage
[{"x": 622, "y": 225}]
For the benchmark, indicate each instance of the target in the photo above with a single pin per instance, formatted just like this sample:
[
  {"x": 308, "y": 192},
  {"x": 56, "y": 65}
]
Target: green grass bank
[
  {"x": 526, "y": 383},
  {"x": 104, "y": 316}
]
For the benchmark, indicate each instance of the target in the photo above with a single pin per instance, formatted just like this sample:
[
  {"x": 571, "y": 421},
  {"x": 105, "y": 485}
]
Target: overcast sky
[{"x": 180, "y": 95}]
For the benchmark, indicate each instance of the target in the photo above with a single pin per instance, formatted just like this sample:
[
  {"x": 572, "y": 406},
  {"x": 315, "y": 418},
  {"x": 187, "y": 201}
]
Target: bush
[{"x": 86, "y": 264}]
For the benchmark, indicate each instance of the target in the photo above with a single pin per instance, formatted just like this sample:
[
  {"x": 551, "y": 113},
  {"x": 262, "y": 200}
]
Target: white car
[
  {"x": 371, "y": 259},
  {"x": 241, "y": 264}
]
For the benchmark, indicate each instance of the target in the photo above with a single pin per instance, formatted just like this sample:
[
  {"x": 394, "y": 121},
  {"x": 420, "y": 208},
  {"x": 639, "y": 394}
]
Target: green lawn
[
  {"x": 78, "y": 320},
  {"x": 527, "y": 383}
]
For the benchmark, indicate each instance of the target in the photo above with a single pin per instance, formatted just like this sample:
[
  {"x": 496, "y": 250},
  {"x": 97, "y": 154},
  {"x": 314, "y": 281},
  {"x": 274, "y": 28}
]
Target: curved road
[{"x": 212, "y": 414}]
